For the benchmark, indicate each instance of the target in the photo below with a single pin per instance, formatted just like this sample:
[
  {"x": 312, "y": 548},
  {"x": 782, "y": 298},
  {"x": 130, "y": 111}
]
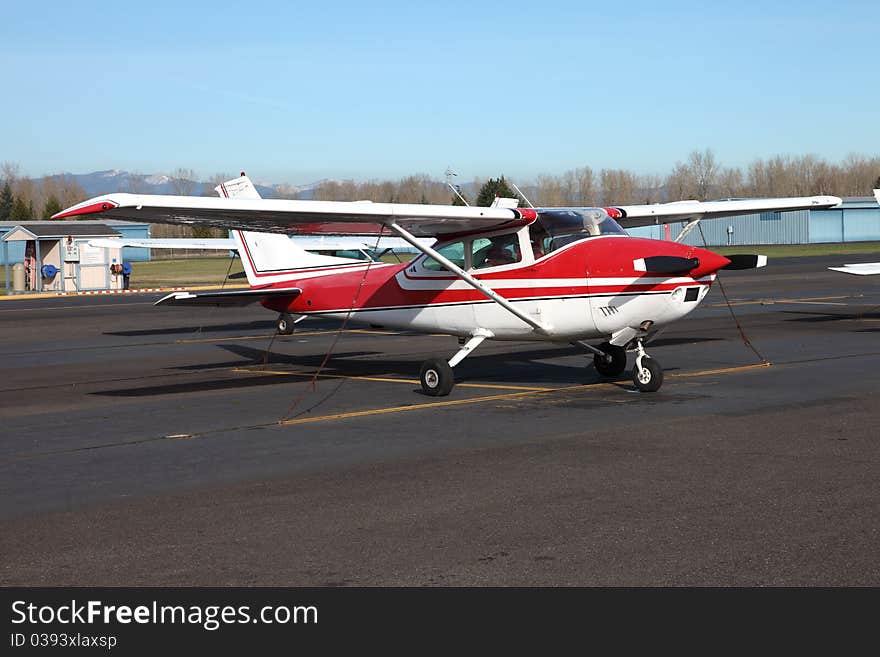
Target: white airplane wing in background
[
  {"x": 861, "y": 269},
  {"x": 219, "y": 243}
]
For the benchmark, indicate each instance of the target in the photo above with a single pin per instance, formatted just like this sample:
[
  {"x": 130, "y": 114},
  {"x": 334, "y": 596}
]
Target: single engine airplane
[{"x": 503, "y": 273}]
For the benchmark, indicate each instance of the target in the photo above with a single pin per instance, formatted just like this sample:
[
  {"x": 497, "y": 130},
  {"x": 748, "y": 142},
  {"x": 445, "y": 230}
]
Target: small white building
[{"x": 58, "y": 258}]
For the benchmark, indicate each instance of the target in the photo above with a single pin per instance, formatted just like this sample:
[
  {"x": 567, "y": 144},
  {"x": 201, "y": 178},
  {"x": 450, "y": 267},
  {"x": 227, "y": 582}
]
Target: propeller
[
  {"x": 665, "y": 264},
  {"x": 745, "y": 261}
]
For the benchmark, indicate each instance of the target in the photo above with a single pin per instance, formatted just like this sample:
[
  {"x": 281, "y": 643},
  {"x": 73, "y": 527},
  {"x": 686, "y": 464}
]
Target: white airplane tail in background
[{"x": 274, "y": 258}]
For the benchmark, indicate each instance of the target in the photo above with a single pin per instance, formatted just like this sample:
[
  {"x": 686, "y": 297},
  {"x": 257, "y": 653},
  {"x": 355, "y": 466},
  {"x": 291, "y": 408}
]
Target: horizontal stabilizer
[
  {"x": 227, "y": 298},
  {"x": 665, "y": 264},
  {"x": 746, "y": 261}
]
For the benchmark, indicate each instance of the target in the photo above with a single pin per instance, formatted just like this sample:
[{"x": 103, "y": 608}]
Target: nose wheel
[{"x": 647, "y": 373}]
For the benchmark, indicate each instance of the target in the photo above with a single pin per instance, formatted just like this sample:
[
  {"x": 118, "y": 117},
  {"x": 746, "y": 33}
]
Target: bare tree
[
  {"x": 730, "y": 182},
  {"x": 705, "y": 169},
  {"x": 214, "y": 181},
  {"x": 618, "y": 186},
  {"x": 136, "y": 183},
  {"x": 9, "y": 172},
  {"x": 681, "y": 183},
  {"x": 183, "y": 181}
]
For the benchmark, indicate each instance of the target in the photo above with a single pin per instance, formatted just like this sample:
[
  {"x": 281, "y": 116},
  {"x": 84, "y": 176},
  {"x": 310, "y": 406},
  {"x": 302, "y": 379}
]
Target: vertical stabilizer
[
  {"x": 240, "y": 187},
  {"x": 270, "y": 258}
]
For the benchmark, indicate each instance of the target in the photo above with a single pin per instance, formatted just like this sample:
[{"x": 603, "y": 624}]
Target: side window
[
  {"x": 495, "y": 251},
  {"x": 453, "y": 251}
]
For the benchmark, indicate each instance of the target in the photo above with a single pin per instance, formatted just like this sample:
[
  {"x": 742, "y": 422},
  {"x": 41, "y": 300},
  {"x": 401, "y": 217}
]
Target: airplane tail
[
  {"x": 240, "y": 187},
  {"x": 270, "y": 258}
]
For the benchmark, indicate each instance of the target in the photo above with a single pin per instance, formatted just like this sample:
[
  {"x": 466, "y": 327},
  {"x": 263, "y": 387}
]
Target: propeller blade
[
  {"x": 665, "y": 264},
  {"x": 745, "y": 261}
]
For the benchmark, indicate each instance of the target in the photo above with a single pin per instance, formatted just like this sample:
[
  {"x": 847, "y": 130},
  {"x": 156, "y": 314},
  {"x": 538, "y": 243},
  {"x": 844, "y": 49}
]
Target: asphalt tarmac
[{"x": 169, "y": 446}]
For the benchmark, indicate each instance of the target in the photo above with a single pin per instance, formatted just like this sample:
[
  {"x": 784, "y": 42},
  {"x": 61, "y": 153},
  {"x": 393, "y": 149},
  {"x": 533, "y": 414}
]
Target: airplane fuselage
[{"x": 587, "y": 289}]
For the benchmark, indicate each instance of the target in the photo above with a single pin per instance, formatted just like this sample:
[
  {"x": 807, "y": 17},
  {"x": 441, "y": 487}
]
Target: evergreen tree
[
  {"x": 495, "y": 187},
  {"x": 53, "y": 206},
  {"x": 21, "y": 211},
  {"x": 455, "y": 197},
  {"x": 6, "y": 200}
]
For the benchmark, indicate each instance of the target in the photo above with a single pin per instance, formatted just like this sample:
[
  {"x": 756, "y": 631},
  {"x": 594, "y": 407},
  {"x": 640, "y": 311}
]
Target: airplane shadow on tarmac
[
  {"x": 820, "y": 316},
  {"x": 518, "y": 366},
  {"x": 265, "y": 325}
]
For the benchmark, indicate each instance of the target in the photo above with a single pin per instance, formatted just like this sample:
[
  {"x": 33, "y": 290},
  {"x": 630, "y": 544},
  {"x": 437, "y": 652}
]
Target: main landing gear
[
  {"x": 286, "y": 323},
  {"x": 436, "y": 374}
]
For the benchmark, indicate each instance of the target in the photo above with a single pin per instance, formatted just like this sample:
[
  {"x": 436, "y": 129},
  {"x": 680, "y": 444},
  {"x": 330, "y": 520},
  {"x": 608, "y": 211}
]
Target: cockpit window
[{"x": 556, "y": 228}]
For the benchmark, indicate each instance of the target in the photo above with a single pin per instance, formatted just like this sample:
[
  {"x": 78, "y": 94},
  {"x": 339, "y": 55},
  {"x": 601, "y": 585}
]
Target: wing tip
[{"x": 87, "y": 207}]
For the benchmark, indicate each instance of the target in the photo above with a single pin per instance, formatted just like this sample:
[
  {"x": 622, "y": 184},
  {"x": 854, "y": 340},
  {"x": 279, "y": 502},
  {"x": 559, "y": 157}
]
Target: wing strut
[
  {"x": 467, "y": 278},
  {"x": 686, "y": 230}
]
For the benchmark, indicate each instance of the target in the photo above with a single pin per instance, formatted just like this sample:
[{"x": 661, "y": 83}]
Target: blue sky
[{"x": 295, "y": 92}]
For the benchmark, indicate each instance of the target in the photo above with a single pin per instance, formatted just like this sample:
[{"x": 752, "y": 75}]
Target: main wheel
[
  {"x": 436, "y": 377},
  {"x": 650, "y": 377},
  {"x": 615, "y": 365},
  {"x": 284, "y": 324}
]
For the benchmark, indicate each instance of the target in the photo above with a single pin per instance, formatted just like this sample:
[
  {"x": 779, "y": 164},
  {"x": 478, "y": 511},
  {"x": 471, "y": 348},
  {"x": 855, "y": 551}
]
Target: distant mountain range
[{"x": 117, "y": 180}]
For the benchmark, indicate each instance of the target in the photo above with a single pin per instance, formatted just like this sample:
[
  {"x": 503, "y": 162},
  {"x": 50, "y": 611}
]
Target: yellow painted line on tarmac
[
  {"x": 418, "y": 407},
  {"x": 271, "y": 335},
  {"x": 753, "y": 302},
  {"x": 66, "y": 308},
  {"x": 812, "y": 303},
  {"x": 389, "y": 380},
  {"x": 494, "y": 386},
  {"x": 723, "y": 370},
  {"x": 488, "y": 398},
  {"x": 335, "y": 331},
  {"x": 232, "y": 339}
]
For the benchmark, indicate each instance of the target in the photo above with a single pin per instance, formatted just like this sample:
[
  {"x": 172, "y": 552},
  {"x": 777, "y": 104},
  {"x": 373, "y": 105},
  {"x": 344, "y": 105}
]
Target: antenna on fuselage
[
  {"x": 525, "y": 198},
  {"x": 455, "y": 189}
]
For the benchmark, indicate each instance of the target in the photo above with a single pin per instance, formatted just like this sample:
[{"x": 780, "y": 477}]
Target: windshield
[{"x": 556, "y": 228}]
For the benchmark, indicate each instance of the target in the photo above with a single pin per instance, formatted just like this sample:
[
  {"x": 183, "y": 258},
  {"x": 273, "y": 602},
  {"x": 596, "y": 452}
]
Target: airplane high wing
[
  {"x": 360, "y": 218},
  {"x": 298, "y": 217},
  {"x": 631, "y": 216}
]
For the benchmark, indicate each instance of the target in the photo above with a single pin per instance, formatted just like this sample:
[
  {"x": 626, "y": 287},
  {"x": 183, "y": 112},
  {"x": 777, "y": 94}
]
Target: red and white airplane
[{"x": 503, "y": 273}]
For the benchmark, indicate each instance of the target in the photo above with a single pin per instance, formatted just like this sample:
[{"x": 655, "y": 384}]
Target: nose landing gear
[{"x": 647, "y": 373}]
